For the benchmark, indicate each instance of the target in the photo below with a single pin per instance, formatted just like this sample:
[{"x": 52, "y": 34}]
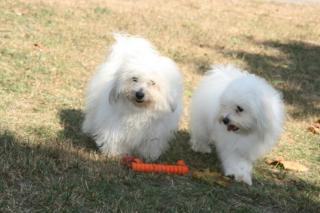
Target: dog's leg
[
  {"x": 152, "y": 148},
  {"x": 150, "y": 155},
  {"x": 200, "y": 144},
  {"x": 199, "y": 140},
  {"x": 238, "y": 167},
  {"x": 113, "y": 148}
]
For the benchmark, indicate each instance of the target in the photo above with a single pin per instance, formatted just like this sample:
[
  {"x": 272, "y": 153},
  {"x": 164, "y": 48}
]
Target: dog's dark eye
[
  {"x": 134, "y": 79},
  {"x": 153, "y": 83},
  {"x": 239, "y": 109}
]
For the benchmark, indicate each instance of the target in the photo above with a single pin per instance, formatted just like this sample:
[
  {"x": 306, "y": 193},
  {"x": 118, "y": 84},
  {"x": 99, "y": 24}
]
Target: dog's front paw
[
  {"x": 246, "y": 178},
  {"x": 200, "y": 147},
  {"x": 241, "y": 176}
]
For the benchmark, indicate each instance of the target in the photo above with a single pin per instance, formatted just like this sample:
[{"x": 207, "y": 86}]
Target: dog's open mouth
[
  {"x": 139, "y": 101},
  {"x": 232, "y": 127}
]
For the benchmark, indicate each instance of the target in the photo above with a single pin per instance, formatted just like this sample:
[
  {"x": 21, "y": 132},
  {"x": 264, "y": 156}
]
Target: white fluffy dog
[
  {"x": 134, "y": 101},
  {"x": 240, "y": 113}
]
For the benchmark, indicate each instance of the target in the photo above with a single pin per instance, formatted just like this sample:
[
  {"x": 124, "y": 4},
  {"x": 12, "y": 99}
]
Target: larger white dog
[
  {"x": 240, "y": 113},
  {"x": 134, "y": 101}
]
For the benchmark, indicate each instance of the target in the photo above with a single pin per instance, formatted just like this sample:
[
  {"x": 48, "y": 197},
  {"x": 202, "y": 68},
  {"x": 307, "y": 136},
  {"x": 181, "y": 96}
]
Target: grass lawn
[{"x": 48, "y": 51}]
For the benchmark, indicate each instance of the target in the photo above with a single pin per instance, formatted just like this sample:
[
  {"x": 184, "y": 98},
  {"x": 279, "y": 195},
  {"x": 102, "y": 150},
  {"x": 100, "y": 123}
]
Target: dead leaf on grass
[
  {"x": 287, "y": 165},
  {"x": 39, "y": 47},
  {"x": 211, "y": 177},
  {"x": 315, "y": 127}
]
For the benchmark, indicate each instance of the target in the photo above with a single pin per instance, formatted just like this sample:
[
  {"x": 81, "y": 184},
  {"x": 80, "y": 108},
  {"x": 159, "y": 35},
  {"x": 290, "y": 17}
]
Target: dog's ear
[
  {"x": 113, "y": 95},
  {"x": 265, "y": 115}
]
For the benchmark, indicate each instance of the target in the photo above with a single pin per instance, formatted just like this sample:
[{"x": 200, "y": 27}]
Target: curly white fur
[
  {"x": 117, "y": 116},
  {"x": 240, "y": 113}
]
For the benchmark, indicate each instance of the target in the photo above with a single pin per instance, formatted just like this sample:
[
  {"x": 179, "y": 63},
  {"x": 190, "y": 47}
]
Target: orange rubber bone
[{"x": 137, "y": 165}]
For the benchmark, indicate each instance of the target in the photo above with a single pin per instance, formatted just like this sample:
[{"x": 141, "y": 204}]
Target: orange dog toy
[{"x": 137, "y": 165}]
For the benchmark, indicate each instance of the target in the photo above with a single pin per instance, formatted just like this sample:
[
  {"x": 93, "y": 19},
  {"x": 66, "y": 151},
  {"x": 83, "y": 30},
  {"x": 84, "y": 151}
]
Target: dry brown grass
[{"x": 49, "y": 50}]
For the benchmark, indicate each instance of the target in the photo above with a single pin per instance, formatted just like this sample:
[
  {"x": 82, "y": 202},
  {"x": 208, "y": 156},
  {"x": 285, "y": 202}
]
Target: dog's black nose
[
  {"x": 139, "y": 95},
  {"x": 225, "y": 120}
]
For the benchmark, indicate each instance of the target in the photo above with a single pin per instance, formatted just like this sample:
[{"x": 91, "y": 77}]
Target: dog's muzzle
[
  {"x": 230, "y": 127},
  {"x": 226, "y": 120},
  {"x": 139, "y": 96}
]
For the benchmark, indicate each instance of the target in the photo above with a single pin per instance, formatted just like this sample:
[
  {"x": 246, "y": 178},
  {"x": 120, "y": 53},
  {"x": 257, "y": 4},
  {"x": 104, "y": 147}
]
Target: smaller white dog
[
  {"x": 134, "y": 101},
  {"x": 240, "y": 113}
]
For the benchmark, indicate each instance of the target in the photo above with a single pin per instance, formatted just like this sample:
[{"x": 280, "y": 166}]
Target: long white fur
[
  {"x": 120, "y": 126},
  {"x": 222, "y": 89}
]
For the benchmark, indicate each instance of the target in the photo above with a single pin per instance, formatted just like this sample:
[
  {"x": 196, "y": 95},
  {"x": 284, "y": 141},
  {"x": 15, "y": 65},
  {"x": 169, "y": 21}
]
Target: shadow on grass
[
  {"x": 71, "y": 120},
  {"x": 180, "y": 149},
  {"x": 51, "y": 176},
  {"x": 296, "y": 72}
]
